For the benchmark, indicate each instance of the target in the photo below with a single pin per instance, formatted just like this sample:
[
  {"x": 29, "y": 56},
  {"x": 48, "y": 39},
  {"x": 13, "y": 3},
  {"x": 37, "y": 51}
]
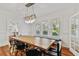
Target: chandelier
[{"x": 30, "y": 18}]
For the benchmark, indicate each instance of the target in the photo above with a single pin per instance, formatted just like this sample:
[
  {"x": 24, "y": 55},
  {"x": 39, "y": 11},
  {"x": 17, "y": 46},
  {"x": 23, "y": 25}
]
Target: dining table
[{"x": 43, "y": 43}]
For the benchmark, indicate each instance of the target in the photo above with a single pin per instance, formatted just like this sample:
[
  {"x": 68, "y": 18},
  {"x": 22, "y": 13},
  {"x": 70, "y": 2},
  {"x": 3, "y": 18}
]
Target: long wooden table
[{"x": 37, "y": 41}]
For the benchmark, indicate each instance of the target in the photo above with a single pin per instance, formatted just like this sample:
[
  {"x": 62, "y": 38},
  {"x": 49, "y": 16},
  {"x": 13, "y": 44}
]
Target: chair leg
[
  {"x": 19, "y": 53},
  {"x": 12, "y": 50}
]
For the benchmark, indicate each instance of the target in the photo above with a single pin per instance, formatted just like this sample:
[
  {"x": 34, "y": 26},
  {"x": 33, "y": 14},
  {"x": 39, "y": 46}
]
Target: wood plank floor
[
  {"x": 4, "y": 51},
  {"x": 66, "y": 52}
]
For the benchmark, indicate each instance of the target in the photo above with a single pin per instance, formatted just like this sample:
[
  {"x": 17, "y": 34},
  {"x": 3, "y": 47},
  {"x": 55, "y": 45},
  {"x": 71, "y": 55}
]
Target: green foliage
[{"x": 55, "y": 30}]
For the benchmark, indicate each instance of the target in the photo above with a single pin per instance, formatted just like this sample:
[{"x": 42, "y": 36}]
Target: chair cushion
[{"x": 33, "y": 52}]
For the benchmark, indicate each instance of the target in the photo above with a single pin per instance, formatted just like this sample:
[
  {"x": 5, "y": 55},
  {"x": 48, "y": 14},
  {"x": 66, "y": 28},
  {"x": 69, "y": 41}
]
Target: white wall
[
  {"x": 24, "y": 29},
  {"x": 5, "y": 18},
  {"x": 3, "y": 27}
]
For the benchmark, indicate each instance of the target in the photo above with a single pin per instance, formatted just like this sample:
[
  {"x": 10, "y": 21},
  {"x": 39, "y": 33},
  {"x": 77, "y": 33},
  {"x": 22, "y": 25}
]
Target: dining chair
[
  {"x": 33, "y": 52},
  {"x": 55, "y": 49}
]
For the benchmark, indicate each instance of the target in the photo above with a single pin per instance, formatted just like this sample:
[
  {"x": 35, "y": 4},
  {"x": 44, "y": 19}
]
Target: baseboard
[
  {"x": 65, "y": 47},
  {"x": 4, "y": 44}
]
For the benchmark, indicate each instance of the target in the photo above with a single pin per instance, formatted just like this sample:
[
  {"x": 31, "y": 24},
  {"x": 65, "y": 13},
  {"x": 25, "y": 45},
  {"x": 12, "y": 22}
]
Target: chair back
[{"x": 33, "y": 52}]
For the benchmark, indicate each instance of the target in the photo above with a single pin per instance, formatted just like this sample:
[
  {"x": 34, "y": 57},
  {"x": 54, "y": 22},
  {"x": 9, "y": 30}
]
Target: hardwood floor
[
  {"x": 66, "y": 52},
  {"x": 4, "y": 51}
]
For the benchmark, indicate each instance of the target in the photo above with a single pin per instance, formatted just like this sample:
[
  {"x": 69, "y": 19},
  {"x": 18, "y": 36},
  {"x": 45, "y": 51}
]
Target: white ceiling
[{"x": 41, "y": 9}]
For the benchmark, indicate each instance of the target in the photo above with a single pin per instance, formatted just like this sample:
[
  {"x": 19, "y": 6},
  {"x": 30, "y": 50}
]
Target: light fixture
[{"x": 30, "y": 18}]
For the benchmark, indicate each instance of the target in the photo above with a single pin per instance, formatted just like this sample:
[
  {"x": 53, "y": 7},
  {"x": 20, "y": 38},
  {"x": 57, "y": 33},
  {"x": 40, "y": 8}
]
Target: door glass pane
[
  {"x": 55, "y": 28},
  {"x": 38, "y": 29},
  {"x": 75, "y": 33}
]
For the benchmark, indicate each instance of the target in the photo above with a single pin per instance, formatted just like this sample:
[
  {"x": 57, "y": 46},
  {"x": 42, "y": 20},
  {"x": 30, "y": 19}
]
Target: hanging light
[{"x": 30, "y": 18}]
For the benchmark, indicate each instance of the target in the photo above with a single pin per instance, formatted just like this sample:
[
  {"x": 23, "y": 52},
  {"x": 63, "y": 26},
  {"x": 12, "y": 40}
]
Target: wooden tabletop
[{"x": 37, "y": 41}]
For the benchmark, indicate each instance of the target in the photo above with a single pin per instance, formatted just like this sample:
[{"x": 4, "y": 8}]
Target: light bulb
[{"x": 29, "y": 21}]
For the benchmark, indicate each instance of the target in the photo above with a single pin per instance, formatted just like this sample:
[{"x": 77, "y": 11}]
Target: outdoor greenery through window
[{"x": 55, "y": 29}]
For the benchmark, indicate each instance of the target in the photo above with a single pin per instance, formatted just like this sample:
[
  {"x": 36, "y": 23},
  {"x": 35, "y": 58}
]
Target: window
[{"x": 55, "y": 28}]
